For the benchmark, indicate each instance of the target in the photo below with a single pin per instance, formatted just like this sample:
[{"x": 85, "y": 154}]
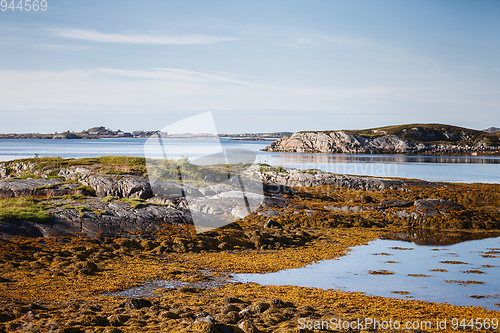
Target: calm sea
[{"x": 468, "y": 169}]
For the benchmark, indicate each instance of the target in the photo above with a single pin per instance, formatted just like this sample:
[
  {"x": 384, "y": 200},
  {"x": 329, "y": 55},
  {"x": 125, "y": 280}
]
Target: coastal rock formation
[
  {"x": 126, "y": 186},
  {"x": 339, "y": 142},
  {"x": 416, "y": 209},
  {"x": 311, "y": 178},
  {"x": 11, "y": 188},
  {"x": 405, "y": 139},
  {"x": 94, "y": 218},
  {"x": 94, "y": 201}
]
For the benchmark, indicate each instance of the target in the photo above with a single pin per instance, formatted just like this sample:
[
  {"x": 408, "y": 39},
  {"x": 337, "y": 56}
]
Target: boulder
[
  {"x": 135, "y": 303},
  {"x": 435, "y": 206},
  {"x": 272, "y": 224}
]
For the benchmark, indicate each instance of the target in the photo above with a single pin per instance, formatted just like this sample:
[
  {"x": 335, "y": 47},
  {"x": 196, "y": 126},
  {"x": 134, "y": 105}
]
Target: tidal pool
[{"x": 466, "y": 273}]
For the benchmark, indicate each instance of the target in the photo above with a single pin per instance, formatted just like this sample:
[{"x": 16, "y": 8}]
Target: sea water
[{"x": 465, "y": 169}]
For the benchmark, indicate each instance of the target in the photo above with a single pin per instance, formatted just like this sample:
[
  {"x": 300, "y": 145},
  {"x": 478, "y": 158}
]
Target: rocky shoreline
[
  {"x": 84, "y": 201},
  {"x": 108, "y": 232}
]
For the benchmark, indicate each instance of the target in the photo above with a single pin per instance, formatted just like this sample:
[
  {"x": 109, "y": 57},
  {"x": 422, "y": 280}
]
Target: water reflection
[
  {"x": 437, "y": 237},
  {"x": 466, "y": 169},
  {"x": 463, "y": 169},
  {"x": 365, "y": 158},
  {"x": 462, "y": 274}
]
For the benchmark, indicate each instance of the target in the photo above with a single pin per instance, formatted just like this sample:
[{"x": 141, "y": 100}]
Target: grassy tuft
[
  {"x": 27, "y": 209},
  {"x": 117, "y": 172},
  {"x": 108, "y": 199},
  {"x": 135, "y": 202}
]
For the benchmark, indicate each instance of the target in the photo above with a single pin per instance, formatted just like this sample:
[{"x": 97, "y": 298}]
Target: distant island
[
  {"x": 102, "y": 132},
  {"x": 431, "y": 139}
]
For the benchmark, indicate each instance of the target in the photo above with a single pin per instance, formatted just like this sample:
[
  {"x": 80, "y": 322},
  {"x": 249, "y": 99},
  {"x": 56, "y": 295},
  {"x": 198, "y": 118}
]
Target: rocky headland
[{"x": 431, "y": 139}]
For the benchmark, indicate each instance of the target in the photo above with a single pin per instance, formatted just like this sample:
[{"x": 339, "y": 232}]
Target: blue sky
[{"x": 259, "y": 66}]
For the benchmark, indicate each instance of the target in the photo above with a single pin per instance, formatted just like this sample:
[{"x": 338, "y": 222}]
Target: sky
[{"x": 259, "y": 66}]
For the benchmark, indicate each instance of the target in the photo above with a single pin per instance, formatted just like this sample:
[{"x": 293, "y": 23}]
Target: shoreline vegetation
[{"x": 60, "y": 282}]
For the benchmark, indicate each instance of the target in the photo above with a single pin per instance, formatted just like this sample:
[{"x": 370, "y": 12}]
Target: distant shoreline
[{"x": 163, "y": 137}]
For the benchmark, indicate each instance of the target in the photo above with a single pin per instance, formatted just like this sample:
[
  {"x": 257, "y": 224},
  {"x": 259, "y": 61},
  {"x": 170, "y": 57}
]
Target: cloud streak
[{"x": 153, "y": 39}]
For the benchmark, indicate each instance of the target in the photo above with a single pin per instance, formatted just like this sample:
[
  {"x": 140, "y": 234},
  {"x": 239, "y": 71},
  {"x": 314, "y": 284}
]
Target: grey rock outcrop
[
  {"x": 428, "y": 207},
  {"x": 435, "y": 206},
  {"x": 99, "y": 219},
  {"x": 418, "y": 208},
  {"x": 11, "y": 188},
  {"x": 338, "y": 142},
  {"x": 344, "y": 142},
  {"x": 119, "y": 186},
  {"x": 298, "y": 178},
  {"x": 492, "y": 129}
]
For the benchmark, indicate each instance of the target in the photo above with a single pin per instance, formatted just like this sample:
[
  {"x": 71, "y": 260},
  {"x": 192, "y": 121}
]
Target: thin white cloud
[
  {"x": 182, "y": 75},
  {"x": 100, "y": 37}
]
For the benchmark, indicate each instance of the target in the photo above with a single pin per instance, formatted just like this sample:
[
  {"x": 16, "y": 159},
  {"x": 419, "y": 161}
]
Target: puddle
[{"x": 414, "y": 271}]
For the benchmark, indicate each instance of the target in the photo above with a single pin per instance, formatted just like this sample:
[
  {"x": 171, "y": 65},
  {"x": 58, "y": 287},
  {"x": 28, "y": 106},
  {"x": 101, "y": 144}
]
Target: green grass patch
[
  {"x": 135, "y": 202},
  {"x": 52, "y": 165},
  {"x": 47, "y": 186},
  {"x": 99, "y": 212},
  {"x": 108, "y": 199},
  {"x": 81, "y": 210},
  {"x": 28, "y": 176},
  {"x": 310, "y": 171},
  {"x": 27, "y": 209},
  {"x": 72, "y": 197},
  {"x": 117, "y": 172},
  {"x": 279, "y": 169}
]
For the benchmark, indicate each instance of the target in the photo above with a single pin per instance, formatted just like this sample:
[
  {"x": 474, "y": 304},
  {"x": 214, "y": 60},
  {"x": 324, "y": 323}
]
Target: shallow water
[
  {"x": 466, "y": 169},
  {"x": 352, "y": 272}
]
